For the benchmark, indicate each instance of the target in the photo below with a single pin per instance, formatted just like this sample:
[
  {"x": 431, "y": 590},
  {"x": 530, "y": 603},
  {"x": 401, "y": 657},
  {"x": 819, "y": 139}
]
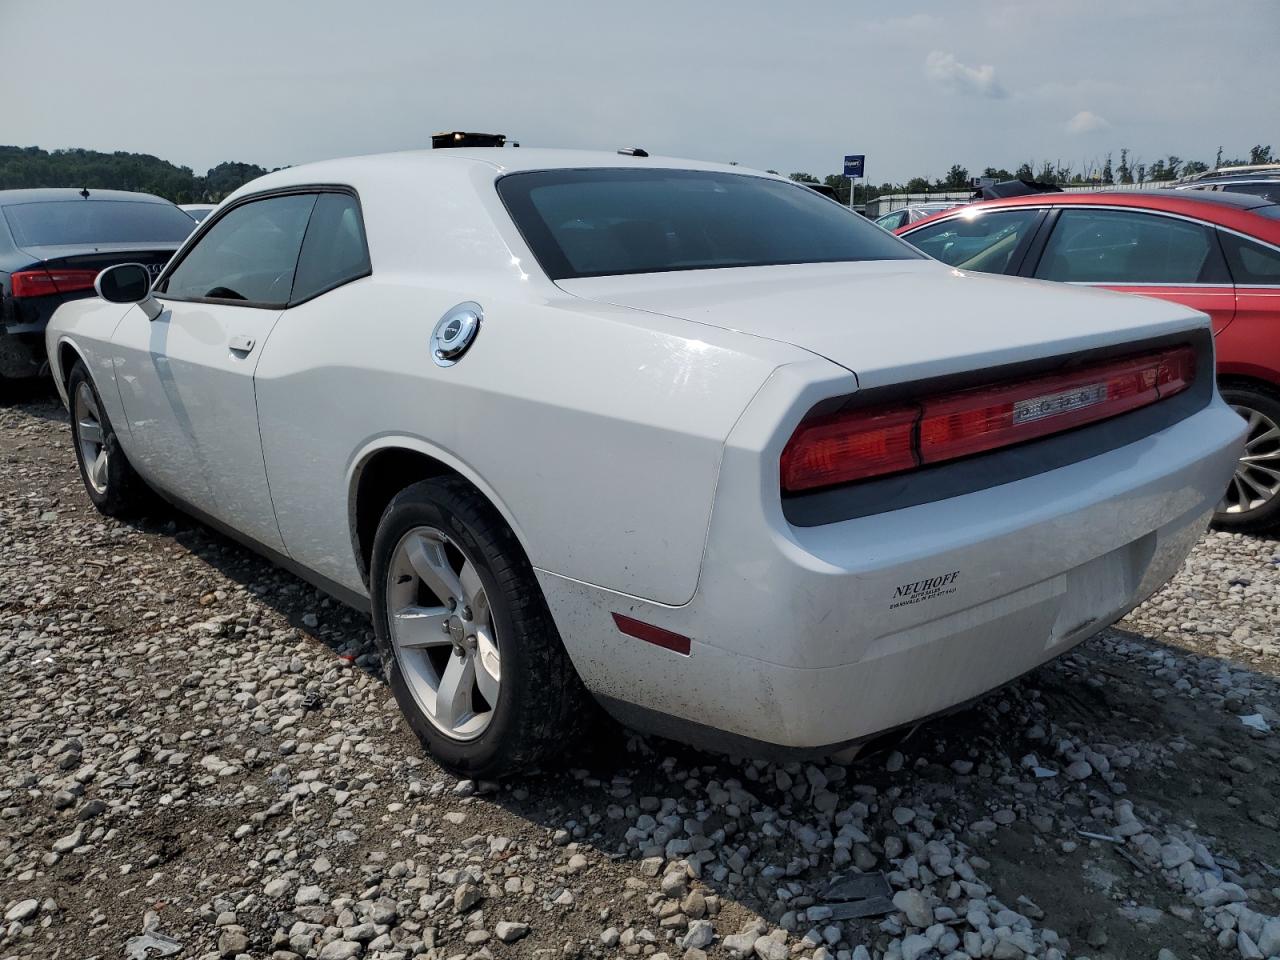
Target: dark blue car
[{"x": 53, "y": 243}]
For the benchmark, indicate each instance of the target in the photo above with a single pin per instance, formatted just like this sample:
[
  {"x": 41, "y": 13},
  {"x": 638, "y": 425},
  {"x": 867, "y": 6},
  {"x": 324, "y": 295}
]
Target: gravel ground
[{"x": 198, "y": 745}]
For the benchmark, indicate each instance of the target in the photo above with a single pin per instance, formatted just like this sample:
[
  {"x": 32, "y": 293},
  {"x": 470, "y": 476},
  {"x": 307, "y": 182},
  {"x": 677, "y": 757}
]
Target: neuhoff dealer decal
[{"x": 920, "y": 590}]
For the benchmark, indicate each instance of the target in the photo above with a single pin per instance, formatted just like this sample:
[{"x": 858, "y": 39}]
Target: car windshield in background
[
  {"x": 592, "y": 223},
  {"x": 80, "y": 222}
]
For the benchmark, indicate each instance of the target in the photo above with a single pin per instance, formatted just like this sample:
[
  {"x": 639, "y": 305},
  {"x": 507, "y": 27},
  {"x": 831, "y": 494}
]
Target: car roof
[
  {"x": 414, "y": 164},
  {"x": 47, "y": 194},
  {"x": 1225, "y": 209}
]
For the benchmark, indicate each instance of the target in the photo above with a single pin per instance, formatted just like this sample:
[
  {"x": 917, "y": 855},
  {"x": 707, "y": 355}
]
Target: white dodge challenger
[{"x": 687, "y": 441}]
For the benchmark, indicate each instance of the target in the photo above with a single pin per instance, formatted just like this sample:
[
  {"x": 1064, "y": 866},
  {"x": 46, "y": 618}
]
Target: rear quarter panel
[{"x": 597, "y": 437}]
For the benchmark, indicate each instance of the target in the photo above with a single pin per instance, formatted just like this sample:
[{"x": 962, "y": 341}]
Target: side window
[
  {"x": 985, "y": 242},
  {"x": 1250, "y": 263},
  {"x": 334, "y": 250},
  {"x": 1115, "y": 246},
  {"x": 248, "y": 256},
  {"x": 1267, "y": 190}
]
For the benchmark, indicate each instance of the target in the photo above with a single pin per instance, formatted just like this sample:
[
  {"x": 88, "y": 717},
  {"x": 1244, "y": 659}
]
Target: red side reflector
[
  {"x": 844, "y": 447},
  {"x": 839, "y": 448},
  {"x": 42, "y": 283},
  {"x": 651, "y": 634}
]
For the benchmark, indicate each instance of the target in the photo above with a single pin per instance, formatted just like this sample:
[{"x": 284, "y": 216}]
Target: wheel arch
[
  {"x": 65, "y": 357},
  {"x": 388, "y": 465},
  {"x": 1248, "y": 379}
]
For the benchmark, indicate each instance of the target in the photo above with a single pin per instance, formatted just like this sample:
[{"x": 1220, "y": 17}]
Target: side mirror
[{"x": 128, "y": 283}]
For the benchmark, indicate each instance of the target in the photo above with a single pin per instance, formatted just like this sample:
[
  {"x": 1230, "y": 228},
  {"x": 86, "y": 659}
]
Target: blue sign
[{"x": 853, "y": 165}]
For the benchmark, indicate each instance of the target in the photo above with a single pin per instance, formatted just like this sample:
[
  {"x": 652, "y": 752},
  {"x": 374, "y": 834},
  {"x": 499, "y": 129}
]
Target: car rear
[
  {"x": 871, "y": 562},
  {"x": 53, "y": 244},
  {"x": 972, "y": 475}
]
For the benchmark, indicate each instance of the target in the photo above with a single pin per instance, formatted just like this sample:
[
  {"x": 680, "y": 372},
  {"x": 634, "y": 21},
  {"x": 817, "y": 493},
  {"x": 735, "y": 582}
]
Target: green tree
[
  {"x": 957, "y": 178},
  {"x": 1107, "y": 176},
  {"x": 804, "y": 178},
  {"x": 1260, "y": 154},
  {"x": 1126, "y": 175}
]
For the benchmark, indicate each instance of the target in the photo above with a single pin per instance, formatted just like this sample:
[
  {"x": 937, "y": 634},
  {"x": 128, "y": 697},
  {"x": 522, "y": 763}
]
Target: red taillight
[
  {"x": 839, "y": 448},
  {"x": 851, "y": 446},
  {"x": 43, "y": 282}
]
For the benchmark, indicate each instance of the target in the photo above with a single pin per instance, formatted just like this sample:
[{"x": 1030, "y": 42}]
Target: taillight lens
[
  {"x": 852, "y": 446},
  {"x": 839, "y": 448},
  {"x": 43, "y": 282}
]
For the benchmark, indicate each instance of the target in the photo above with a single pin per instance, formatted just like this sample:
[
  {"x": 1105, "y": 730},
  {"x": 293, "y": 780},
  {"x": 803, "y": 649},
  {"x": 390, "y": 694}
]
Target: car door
[
  {"x": 187, "y": 376},
  {"x": 1135, "y": 251},
  {"x": 1251, "y": 346},
  {"x": 314, "y": 377},
  {"x": 984, "y": 240}
]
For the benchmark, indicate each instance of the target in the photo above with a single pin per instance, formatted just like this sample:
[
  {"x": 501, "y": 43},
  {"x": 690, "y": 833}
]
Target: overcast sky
[{"x": 916, "y": 87}]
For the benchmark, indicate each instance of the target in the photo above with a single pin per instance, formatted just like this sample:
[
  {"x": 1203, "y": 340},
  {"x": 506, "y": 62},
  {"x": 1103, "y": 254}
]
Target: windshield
[
  {"x": 603, "y": 222},
  {"x": 89, "y": 222}
]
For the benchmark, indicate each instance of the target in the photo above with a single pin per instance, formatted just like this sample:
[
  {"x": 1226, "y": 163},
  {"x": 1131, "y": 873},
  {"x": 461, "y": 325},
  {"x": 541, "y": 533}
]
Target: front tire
[
  {"x": 108, "y": 477},
  {"x": 1252, "y": 501},
  {"x": 468, "y": 645}
]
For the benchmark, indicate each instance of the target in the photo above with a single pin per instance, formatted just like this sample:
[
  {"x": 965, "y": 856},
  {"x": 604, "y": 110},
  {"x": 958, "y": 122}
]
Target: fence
[{"x": 896, "y": 201}]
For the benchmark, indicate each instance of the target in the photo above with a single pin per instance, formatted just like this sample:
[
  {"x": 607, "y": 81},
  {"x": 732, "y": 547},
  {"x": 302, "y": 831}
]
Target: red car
[{"x": 1216, "y": 252}]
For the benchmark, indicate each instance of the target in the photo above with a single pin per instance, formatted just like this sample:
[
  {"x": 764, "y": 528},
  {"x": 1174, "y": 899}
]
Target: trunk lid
[
  {"x": 100, "y": 256},
  {"x": 896, "y": 321}
]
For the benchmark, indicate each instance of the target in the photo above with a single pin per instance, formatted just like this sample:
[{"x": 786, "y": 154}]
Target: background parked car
[
  {"x": 908, "y": 215},
  {"x": 1215, "y": 251},
  {"x": 54, "y": 242},
  {"x": 197, "y": 211},
  {"x": 1262, "y": 180}
]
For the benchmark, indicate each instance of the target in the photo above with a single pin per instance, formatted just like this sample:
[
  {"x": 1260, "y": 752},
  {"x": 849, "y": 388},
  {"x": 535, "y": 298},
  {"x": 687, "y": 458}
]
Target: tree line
[
  {"x": 1129, "y": 169},
  {"x": 139, "y": 172},
  {"x": 33, "y": 167}
]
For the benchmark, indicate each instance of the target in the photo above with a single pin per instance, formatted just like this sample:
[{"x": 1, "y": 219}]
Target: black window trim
[{"x": 208, "y": 222}]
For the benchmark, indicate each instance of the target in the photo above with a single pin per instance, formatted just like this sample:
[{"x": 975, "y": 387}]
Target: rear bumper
[
  {"x": 804, "y": 638},
  {"x": 22, "y": 352}
]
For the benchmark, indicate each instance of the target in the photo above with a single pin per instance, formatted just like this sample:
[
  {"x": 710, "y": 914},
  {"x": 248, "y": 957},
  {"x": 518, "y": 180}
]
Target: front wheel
[
  {"x": 470, "y": 649},
  {"x": 108, "y": 477},
  {"x": 1252, "y": 501}
]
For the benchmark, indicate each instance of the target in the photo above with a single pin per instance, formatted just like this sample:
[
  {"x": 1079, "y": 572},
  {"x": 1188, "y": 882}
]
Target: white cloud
[
  {"x": 945, "y": 70},
  {"x": 1086, "y": 121}
]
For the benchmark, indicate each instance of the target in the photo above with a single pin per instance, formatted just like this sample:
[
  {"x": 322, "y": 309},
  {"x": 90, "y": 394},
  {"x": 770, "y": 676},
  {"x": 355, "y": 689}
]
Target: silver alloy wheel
[
  {"x": 442, "y": 633},
  {"x": 93, "y": 449},
  {"x": 1257, "y": 478}
]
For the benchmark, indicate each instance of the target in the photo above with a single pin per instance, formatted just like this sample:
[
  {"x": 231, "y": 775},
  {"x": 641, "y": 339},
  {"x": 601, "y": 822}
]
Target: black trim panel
[{"x": 982, "y": 471}]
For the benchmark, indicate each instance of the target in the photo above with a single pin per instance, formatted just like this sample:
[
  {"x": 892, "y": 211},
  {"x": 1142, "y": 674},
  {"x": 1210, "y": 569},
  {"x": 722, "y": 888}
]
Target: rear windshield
[
  {"x": 87, "y": 222},
  {"x": 604, "y": 222}
]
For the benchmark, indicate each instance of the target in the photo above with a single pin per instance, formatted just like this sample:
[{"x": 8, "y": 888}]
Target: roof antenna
[
  {"x": 634, "y": 152},
  {"x": 84, "y": 192}
]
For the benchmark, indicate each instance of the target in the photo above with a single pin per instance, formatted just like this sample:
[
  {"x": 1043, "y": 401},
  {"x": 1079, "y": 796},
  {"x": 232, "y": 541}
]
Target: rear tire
[
  {"x": 108, "y": 477},
  {"x": 493, "y": 609},
  {"x": 1252, "y": 500}
]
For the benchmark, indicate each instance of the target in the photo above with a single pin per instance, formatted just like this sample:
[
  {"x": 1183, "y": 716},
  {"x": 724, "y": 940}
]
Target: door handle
[{"x": 241, "y": 344}]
